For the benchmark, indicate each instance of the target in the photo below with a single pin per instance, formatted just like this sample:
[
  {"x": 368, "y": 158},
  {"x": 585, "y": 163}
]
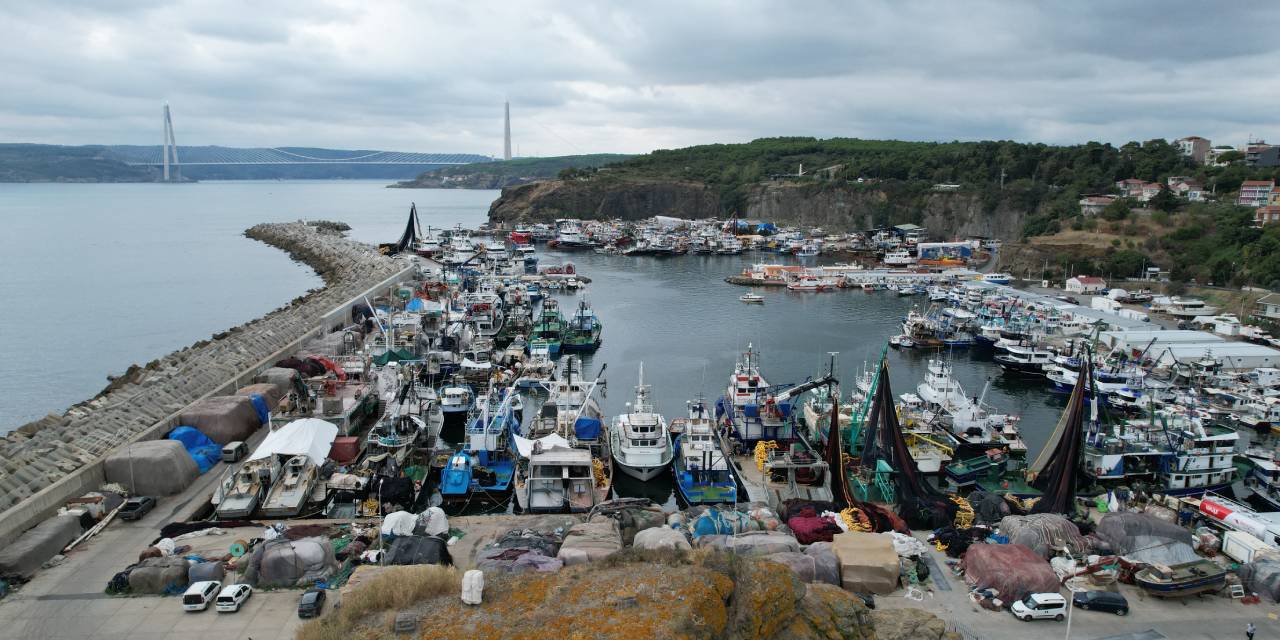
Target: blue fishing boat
[
  {"x": 701, "y": 469},
  {"x": 483, "y": 470}
]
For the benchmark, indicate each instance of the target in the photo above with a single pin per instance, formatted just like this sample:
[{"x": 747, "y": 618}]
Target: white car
[
  {"x": 231, "y": 597},
  {"x": 198, "y": 596},
  {"x": 1040, "y": 606}
]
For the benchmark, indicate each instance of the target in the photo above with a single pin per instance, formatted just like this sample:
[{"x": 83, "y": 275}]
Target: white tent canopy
[
  {"x": 525, "y": 445},
  {"x": 312, "y": 437}
]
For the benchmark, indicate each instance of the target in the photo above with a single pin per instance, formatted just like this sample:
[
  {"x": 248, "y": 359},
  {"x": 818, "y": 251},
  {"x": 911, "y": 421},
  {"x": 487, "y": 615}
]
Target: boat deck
[{"x": 771, "y": 492}]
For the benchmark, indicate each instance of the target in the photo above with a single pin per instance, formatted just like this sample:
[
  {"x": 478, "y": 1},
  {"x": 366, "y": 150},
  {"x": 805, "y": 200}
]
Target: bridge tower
[
  {"x": 506, "y": 130},
  {"x": 169, "y": 150}
]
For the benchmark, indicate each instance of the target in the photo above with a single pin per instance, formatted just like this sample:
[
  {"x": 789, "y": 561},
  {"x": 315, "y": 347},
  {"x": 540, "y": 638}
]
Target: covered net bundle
[
  {"x": 1045, "y": 533},
  {"x": 152, "y": 468},
  {"x": 1011, "y": 569},
  {"x": 1262, "y": 577},
  {"x": 223, "y": 418},
  {"x": 290, "y": 563},
  {"x": 988, "y": 508},
  {"x": 1144, "y": 538}
]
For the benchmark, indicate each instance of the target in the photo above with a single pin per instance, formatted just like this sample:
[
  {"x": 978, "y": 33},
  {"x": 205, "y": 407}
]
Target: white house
[{"x": 1086, "y": 284}]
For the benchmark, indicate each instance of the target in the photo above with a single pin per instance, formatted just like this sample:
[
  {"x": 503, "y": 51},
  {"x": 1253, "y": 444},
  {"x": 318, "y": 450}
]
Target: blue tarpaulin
[
  {"x": 587, "y": 428},
  {"x": 206, "y": 452},
  {"x": 260, "y": 405},
  {"x": 416, "y": 304}
]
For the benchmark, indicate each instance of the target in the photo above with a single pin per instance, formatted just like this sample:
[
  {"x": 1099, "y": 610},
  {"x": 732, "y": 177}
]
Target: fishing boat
[
  {"x": 243, "y": 491},
  {"x": 997, "y": 278},
  {"x": 941, "y": 402},
  {"x": 291, "y": 492},
  {"x": 538, "y": 369},
  {"x": 1024, "y": 361},
  {"x": 583, "y": 330},
  {"x": 701, "y": 469},
  {"x": 752, "y": 298},
  {"x": 639, "y": 439},
  {"x": 1180, "y": 580},
  {"x": 750, "y": 408},
  {"x": 806, "y": 282},
  {"x": 484, "y": 469},
  {"x": 1171, "y": 453},
  {"x": 456, "y": 401},
  {"x": 566, "y": 458},
  {"x": 550, "y": 326}
]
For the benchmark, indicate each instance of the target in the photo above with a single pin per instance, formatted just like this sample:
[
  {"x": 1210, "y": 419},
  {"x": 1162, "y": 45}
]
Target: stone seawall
[{"x": 57, "y": 457}]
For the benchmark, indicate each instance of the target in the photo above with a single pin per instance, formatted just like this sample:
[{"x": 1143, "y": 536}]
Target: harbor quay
[{"x": 433, "y": 419}]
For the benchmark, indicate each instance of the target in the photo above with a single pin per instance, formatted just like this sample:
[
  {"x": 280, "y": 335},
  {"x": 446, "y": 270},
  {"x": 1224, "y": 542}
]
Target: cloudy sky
[{"x": 633, "y": 76}]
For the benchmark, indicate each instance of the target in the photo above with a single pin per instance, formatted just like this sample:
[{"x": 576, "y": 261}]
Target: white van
[
  {"x": 1039, "y": 606},
  {"x": 199, "y": 595},
  {"x": 231, "y": 597}
]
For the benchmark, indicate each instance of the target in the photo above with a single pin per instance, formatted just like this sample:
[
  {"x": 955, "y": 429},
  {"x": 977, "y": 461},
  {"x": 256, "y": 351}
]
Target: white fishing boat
[
  {"x": 752, "y": 298},
  {"x": 639, "y": 439},
  {"x": 289, "y": 495},
  {"x": 243, "y": 491}
]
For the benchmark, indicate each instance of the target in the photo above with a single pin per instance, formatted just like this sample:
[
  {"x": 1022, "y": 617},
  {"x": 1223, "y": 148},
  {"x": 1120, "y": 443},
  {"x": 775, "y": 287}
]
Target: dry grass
[{"x": 393, "y": 590}]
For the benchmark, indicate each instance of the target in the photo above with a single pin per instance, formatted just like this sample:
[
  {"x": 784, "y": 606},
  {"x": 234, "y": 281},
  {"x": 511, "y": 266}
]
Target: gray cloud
[{"x": 590, "y": 77}]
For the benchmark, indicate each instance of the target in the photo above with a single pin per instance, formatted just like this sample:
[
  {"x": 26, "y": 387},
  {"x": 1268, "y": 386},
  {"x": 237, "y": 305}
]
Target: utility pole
[{"x": 1002, "y": 178}]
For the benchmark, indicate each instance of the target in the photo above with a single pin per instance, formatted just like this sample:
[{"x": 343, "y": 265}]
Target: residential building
[
  {"x": 1149, "y": 191},
  {"x": 1093, "y": 205},
  {"x": 1274, "y": 197},
  {"x": 1212, "y": 156},
  {"x": 1261, "y": 154},
  {"x": 1131, "y": 187},
  {"x": 1193, "y": 147},
  {"x": 1086, "y": 284},
  {"x": 1187, "y": 188},
  {"x": 1255, "y": 193},
  {"x": 1269, "y": 306},
  {"x": 1269, "y": 214}
]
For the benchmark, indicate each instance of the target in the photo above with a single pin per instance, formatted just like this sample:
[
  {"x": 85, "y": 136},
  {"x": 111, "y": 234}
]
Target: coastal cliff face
[
  {"x": 830, "y": 206},
  {"x": 591, "y": 199}
]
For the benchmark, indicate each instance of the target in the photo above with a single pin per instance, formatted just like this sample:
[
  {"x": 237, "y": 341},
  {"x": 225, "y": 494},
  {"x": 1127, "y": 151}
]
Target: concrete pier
[{"x": 45, "y": 462}]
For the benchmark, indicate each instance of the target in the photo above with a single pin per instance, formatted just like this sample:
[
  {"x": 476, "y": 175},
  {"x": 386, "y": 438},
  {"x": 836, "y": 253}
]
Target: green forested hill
[{"x": 55, "y": 163}]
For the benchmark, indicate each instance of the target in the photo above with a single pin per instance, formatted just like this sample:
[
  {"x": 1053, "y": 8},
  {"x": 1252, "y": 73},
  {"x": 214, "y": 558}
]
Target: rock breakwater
[{"x": 41, "y": 453}]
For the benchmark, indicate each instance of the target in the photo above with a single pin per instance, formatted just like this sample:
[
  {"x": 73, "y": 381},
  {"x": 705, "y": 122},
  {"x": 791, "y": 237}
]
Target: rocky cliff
[{"x": 830, "y": 206}]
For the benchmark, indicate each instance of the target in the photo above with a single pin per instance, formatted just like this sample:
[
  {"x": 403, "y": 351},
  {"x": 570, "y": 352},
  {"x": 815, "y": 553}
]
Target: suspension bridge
[{"x": 173, "y": 158}]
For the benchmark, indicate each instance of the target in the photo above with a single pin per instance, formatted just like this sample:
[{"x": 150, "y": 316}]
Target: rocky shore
[{"x": 41, "y": 453}]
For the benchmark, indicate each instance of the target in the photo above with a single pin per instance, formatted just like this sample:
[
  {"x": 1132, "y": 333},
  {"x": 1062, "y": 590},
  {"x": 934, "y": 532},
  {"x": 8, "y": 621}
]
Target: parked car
[
  {"x": 198, "y": 596},
  {"x": 1101, "y": 601},
  {"x": 1040, "y": 606},
  {"x": 231, "y": 597},
  {"x": 311, "y": 603},
  {"x": 136, "y": 507}
]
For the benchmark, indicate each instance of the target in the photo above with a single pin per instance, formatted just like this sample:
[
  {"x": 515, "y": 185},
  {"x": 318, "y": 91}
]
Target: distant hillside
[
  {"x": 496, "y": 175},
  {"x": 55, "y": 163}
]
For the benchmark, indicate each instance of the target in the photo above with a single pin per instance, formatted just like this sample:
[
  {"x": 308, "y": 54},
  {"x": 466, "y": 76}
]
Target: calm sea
[{"x": 98, "y": 277}]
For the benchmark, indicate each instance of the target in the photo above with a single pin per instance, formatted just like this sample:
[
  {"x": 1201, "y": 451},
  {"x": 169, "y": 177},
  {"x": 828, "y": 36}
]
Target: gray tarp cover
[
  {"x": 203, "y": 571},
  {"x": 1144, "y": 538},
  {"x": 868, "y": 562},
  {"x": 752, "y": 543},
  {"x": 282, "y": 378},
  {"x": 805, "y": 567},
  {"x": 1044, "y": 533},
  {"x": 1262, "y": 577},
  {"x": 290, "y": 563},
  {"x": 223, "y": 418},
  {"x": 25, "y": 555},
  {"x": 416, "y": 550},
  {"x": 826, "y": 562},
  {"x": 152, "y": 468},
  {"x": 662, "y": 538},
  {"x": 597, "y": 539}
]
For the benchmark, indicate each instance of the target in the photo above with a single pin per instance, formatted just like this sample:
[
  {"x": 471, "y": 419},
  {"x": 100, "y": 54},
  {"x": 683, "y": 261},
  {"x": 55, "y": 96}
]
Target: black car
[
  {"x": 311, "y": 604},
  {"x": 1101, "y": 601},
  {"x": 136, "y": 507}
]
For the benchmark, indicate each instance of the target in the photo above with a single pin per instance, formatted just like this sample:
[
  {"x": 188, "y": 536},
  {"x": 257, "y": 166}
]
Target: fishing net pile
[
  {"x": 290, "y": 563},
  {"x": 1013, "y": 570},
  {"x": 223, "y": 418},
  {"x": 1044, "y": 533},
  {"x": 520, "y": 551},
  {"x": 1143, "y": 538},
  {"x": 152, "y": 468},
  {"x": 1262, "y": 577}
]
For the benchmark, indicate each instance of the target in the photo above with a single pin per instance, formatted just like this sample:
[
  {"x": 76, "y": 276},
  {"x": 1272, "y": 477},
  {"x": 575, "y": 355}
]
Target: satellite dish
[{"x": 239, "y": 548}]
